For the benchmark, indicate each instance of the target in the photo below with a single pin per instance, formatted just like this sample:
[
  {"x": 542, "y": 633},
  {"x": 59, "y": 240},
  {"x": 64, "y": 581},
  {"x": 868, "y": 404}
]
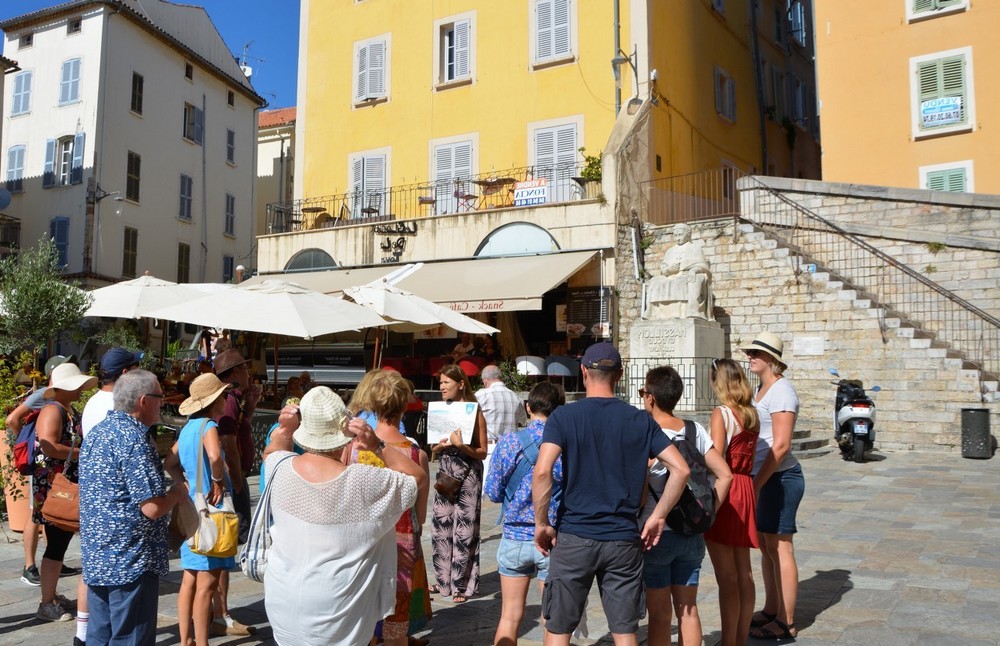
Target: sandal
[
  {"x": 763, "y": 632},
  {"x": 458, "y": 598},
  {"x": 760, "y": 623},
  {"x": 417, "y": 641},
  {"x": 436, "y": 589}
]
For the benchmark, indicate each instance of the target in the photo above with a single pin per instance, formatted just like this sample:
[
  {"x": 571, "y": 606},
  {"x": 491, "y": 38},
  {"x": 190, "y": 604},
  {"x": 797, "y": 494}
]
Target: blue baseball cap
[
  {"x": 602, "y": 356},
  {"x": 116, "y": 360}
]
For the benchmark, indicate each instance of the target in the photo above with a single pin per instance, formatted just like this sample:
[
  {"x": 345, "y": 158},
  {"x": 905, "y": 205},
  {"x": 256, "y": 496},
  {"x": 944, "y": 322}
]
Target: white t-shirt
[
  {"x": 779, "y": 398},
  {"x": 658, "y": 472},
  {"x": 97, "y": 408}
]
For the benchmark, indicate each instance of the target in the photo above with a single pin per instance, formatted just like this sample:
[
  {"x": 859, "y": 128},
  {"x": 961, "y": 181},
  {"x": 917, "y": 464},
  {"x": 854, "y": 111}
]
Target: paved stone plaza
[{"x": 904, "y": 549}]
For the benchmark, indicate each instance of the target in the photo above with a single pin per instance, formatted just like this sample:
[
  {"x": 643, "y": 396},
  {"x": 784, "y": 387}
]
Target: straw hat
[
  {"x": 204, "y": 390},
  {"x": 67, "y": 376},
  {"x": 769, "y": 343},
  {"x": 324, "y": 420}
]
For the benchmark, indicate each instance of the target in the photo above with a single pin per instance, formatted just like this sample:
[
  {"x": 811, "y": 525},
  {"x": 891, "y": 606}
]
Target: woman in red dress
[{"x": 734, "y": 427}]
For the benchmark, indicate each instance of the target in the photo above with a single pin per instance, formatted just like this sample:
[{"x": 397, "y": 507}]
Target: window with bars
[
  {"x": 21, "y": 101},
  {"x": 133, "y": 173},
  {"x": 15, "y": 169},
  {"x": 69, "y": 85},
  {"x": 183, "y": 263},
  {"x": 130, "y": 252},
  {"x": 137, "y": 83},
  {"x": 186, "y": 197},
  {"x": 230, "y": 225},
  {"x": 553, "y": 30},
  {"x": 942, "y": 96}
]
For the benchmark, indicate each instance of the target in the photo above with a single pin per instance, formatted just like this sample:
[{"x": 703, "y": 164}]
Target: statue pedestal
[{"x": 689, "y": 345}]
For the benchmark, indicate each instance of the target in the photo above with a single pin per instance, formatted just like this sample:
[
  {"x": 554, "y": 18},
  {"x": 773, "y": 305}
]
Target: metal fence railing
[
  {"x": 896, "y": 289},
  {"x": 694, "y": 371},
  {"x": 496, "y": 189},
  {"x": 703, "y": 195}
]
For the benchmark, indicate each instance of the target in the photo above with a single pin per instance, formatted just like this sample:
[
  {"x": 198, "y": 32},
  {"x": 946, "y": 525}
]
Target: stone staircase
[{"x": 912, "y": 351}]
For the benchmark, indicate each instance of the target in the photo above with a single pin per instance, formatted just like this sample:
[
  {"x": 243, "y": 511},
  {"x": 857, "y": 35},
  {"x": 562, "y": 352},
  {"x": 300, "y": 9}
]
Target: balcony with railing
[{"x": 523, "y": 187}]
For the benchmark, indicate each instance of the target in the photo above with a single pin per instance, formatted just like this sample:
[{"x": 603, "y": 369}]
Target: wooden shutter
[
  {"x": 922, "y": 5},
  {"x": 951, "y": 179},
  {"x": 22, "y": 93},
  {"x": 49, "y": 174},
  {"x": 560, "y": 28},
  {"x": 543, "y": 29},
  {"x": 451, "y": 162},
  {"x": 361, "y": 80},
  {"x": 59, "y": 232},
  {"x": 199, "y": 125},
  {"x": 940, "y": 78},
  {"x": 69, "y": 88},
  {"x": 461, "y": 49},
  {"x": 15, "y": 169},
  {"x": 376, "y": 69},
  {"x": 76, "y": 171},
  {"x": 555, "y": 159}
]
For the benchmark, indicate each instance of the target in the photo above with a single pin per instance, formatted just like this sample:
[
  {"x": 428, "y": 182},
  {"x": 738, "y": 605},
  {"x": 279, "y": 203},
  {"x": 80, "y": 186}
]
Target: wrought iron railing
[
  {"x": 898, "y": 291},
  {"x": 496, "y": 189},
  {"x": 703, "y": 195},
  {"x": 694, "y": 371}
]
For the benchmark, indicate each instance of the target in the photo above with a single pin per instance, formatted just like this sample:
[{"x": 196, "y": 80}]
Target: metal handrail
[
  {"x": 493, "y": 190},
  {"x": 703, "y": 195},
  {"x": 897, "y": 290}
]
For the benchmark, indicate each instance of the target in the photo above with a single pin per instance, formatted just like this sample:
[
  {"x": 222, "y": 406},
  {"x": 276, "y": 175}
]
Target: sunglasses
[
  {"x": 643, "y": 393},
  {"x": 753, "y": 354}
]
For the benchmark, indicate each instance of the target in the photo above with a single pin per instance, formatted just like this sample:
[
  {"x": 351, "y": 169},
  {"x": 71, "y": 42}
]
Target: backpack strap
[
  {"x": 689, "y": 431},
  {"x": 529, "y": 455}
]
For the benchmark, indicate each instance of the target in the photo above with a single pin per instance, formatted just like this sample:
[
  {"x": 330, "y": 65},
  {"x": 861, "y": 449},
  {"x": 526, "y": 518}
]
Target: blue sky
[{"x": 272, "y": 26}]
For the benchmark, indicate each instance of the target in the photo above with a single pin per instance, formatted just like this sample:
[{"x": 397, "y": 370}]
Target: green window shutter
[
  {"x": 950, "y": 179},
  {"x": 953, "y": 81},
  {"x": 942, "y": 78},
  {"x": 922, "y": 5}
]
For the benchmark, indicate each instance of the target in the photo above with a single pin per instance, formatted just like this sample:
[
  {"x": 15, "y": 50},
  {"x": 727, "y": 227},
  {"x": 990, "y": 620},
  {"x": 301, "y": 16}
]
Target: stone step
[
  {"x": 817, "y": 452},
  {"x": 863, "y": 303},
  {"x": 847, "y": 295},
  {"x": 920, "y": 343}
]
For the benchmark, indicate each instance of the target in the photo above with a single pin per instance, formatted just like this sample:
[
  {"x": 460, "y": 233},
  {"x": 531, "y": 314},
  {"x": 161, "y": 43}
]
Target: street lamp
[
  {"x": 92, "y": 224},
  {"x": 616, "y": 63},
  {"x": 96, "y": 194}
]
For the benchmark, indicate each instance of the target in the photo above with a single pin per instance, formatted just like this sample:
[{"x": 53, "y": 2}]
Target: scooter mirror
[
  {"x": 875, "y": 389},
  {"x": 833, "y": 371}
]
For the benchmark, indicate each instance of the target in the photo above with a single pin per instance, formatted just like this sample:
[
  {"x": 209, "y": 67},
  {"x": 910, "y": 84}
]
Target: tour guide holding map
[{"x": 458, "y": 495}]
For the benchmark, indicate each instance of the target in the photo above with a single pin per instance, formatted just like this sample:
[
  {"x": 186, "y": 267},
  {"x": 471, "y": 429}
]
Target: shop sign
[
  {"x": 587, "y": 312},
  {"x": 532, "y": 191},
  {"x": 941, "y": 112},
  {"x": 477, "y": 306}
]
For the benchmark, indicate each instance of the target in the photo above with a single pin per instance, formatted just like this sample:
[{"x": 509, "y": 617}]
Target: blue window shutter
[
  {"x": 76, "y": 173},
  {"x": 59, "y": 232},
  {"x": 49, "y": 176},
  {"x": 199, "y": 125}
]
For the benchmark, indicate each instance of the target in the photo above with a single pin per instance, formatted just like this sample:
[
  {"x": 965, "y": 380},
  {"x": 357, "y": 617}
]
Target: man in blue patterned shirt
[
  {"x": 517, "y": 558},
  {"x": 123, "y": 515}
]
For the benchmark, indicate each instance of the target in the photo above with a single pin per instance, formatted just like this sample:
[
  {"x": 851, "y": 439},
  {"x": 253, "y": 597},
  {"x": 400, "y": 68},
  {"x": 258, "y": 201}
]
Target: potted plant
[
  {"x": 15, "y": 486},
  {"x": 590, "y": 174}
]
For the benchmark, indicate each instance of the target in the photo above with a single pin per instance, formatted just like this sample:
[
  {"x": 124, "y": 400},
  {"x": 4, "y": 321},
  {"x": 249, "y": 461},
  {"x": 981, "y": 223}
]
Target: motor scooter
[{"x": 853, "y": 418}]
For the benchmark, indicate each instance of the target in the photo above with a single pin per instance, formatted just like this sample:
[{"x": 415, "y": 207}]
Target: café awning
[
  {"x": 501, "y": 284},
  {"x": 494, "y": 284}
]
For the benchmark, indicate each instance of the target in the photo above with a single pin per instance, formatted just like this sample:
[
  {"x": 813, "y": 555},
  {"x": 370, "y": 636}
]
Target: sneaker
[
  {"x": 51, "y": 611},
  {"x": 65, "y": 603},
  {"x": 31, "y": 577},
  {"x": 79, "y": 642},
  {"x": 219, "y": 627},
  {"x": 68, "y": 571}
]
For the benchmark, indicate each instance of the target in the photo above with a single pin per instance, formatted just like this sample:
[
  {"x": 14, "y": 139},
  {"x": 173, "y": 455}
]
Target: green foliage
[
  {"x": 38, "y": 303},
  {"x": 592, "y": 168},
  {"x": 173, "y": 347},
  {"x": 123, "y": 335},
  {"x": 9, "y": 400},
  {"x": 930, "y": 269},
  {"x": 512, "y": 378},
  {"x": 936, "y": 247}
]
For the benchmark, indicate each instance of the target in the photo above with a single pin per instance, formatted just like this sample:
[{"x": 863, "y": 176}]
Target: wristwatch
[{"x": 381, "y": 445}]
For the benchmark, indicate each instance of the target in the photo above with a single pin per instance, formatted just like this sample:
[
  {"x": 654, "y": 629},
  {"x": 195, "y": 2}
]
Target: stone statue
[{"x": 684, "y": 288}]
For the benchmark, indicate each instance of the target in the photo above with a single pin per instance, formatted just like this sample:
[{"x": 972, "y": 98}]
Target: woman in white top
[
  {"x": 332, "y": 564},
  {"x": 779, "y": 484},
  {"x": 671, "y": 569}
]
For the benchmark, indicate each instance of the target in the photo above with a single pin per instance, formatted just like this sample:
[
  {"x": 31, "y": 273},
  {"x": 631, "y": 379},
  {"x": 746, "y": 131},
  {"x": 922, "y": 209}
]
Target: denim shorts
[
  {"x": 779, "y": 500},
  {"x": 675, "y": 560},
  {"x": 521, "y": 558}
]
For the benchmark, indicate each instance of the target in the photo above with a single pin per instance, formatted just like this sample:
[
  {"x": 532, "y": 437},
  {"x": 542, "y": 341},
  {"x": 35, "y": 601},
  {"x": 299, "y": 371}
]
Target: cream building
[
  {"x": 10, "y": 227},
  {"x": 143, "y": 103},
  {"x": 275, "y": 162}
]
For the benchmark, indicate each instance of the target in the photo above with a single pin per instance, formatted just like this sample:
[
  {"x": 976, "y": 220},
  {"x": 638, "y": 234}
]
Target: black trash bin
[{"x": 976, "y": 439}]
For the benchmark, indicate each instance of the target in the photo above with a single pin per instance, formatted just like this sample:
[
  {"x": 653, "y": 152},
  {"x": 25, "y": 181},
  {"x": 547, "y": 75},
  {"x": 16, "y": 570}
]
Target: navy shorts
[
  {"x": 779, "y": 500},
  {"x": 675, "y": 560},
  {"x": 573, "y": 564}
]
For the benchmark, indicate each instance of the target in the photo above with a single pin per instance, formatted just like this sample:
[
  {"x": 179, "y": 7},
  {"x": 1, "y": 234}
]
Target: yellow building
[
  {"x": 446, "y": 98},
  {"x": 906, "y": 92}
]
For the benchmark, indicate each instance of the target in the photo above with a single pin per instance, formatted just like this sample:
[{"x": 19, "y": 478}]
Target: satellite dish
[{"x": 4, "y": 198}]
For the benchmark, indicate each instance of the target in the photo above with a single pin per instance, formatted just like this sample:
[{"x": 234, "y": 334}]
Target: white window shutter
[
  {"x": 376, "y": 69},
  {"x": 461, "y": 49},
  {"x": 64, "y": 82},
  {"x": 76, "y": 171},
  {"x": 545, "y": 148},
  {"x": 361, "y": 82},
  {"x": 357, "y": 175},
  {"x": 566, "y": 148},
  {"x": 543, "y": 29},
  {"x": 49, "y": 173},
  {"x": 560, "y": 28},
  {"x": 374, "y": 174}
]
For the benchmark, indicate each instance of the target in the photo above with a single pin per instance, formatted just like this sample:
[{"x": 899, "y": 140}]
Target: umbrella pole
[
  {"x": 276, "y": 402},
  {"x": 377, "y": 358}
]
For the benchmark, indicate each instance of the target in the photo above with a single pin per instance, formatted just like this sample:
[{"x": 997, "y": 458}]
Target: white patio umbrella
[
  {"x": 410, "y": 312},
  {"x": 132, "y": 299},
  {"x": 273, "y": 307}
]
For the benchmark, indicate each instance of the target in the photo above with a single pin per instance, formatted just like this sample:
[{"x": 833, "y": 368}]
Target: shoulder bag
[
  {"x": 218, "y": 527},
  {"x": 253, "y": 558},
  {"x": 62, "y": 504}
]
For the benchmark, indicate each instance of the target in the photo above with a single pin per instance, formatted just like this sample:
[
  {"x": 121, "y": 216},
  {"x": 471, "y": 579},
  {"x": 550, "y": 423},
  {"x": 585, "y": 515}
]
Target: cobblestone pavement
[{"x": 904, "y": 549}]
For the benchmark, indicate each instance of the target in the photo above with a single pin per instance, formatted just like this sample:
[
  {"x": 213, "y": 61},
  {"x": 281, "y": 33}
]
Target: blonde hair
[
  {"x": 383, "y": 392},
  {"x": 733, "y": 390}
]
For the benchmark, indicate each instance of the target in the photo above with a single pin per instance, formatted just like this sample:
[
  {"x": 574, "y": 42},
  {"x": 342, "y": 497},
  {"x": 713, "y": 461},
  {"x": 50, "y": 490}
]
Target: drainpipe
[
  {"x": 92, "y": 217},
  {"x": 204, "y": 189},
  {"x": 618, "y": 48},
  {"x": 758, "y": 75}
]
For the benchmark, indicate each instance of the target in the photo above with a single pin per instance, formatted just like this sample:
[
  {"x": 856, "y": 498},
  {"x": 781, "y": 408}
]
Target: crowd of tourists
[{"x": 596, "y": 489}]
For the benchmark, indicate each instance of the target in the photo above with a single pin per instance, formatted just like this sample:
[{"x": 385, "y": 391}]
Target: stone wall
[{"x": 758, "y": 285}]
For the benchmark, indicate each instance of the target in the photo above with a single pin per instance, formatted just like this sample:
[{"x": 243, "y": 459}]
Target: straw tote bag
[{"x": 218, "y": 528}]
